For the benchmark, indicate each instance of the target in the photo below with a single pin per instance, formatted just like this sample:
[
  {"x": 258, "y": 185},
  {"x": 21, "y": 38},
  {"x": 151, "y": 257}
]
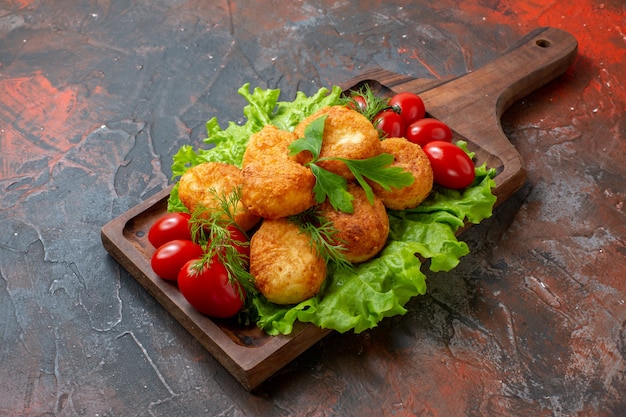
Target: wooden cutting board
[{"x": 471, "y": 105}]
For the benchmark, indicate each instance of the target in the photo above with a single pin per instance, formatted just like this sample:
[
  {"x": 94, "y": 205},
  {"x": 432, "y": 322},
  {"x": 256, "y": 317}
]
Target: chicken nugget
[
  {"x": 363, "y": 232},
  {"x": 284, "y": 264},
  {"x": 411, "y": 158},
  {"x": 206, "y": 184},
  {"x": 269, "y": 143},
  {"x": 347, "y": 134},
  {"x": 274, "y": 184}
]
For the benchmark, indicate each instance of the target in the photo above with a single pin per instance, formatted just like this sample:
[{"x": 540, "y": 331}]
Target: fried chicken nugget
[
  {"x": 285, "y": 267},
  {"x": 347, "y": 134},
  {"x": 411, "y": 158},
  {"x": 269, "y": 143},
  {"x": 363, "y": 232},
  {"x": 204, "y": 185},
  {"x": 274, "y": 184}
]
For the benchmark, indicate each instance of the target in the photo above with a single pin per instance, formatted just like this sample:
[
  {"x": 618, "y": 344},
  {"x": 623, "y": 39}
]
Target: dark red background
[{"x": 96, "y": 96}]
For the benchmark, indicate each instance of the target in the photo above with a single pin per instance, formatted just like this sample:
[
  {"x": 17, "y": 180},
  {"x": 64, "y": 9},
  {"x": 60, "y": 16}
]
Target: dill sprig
[
  {"x": 322, "y": 234},
  {"x": 214, "y": 229},
  {"x": 374, "y": 104}
]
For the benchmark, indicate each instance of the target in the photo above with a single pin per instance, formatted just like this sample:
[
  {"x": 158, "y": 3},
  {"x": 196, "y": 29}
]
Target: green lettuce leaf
[
  {"x": 359, "y": 298},
  {"x": 355, "y": 299}
]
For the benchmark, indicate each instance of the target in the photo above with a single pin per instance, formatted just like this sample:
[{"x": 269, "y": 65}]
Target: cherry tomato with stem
[
  {"x": 452, "y": 167},
  {"x": 170, "y": 226},
  {"x": 208, "y": 289},
  {"x": 427, "y": 130},
  {"x": 390, "y": 123},
  {"x": 410, "y": 106},
  {"x": 170, "y": 257}
]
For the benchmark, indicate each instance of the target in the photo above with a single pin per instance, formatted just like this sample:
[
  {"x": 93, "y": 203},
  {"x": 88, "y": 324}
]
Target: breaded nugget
[
  {"x": 285, "y": 267},
  {"x": 363, "y": 232},
  {"x": 274, "y": 184},
  {"x": 347, "y": 134},
  {"x": 205, "y": 184},
  {"x": 411, "y": 158},
  {"x": 269, "y": 143}
]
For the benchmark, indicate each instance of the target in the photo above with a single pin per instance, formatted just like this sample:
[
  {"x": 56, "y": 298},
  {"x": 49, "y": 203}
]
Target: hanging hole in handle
[{"x": 543, "y": 43}]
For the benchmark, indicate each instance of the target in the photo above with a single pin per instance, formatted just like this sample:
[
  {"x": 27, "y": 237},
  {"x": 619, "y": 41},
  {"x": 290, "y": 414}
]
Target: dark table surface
[{"x": 96, "y": 97}]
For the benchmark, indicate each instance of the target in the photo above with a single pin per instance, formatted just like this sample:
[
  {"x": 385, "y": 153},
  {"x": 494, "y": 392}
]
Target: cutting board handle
[
  {"x": 478, "y": 99},
  {"x": 472, "y": 104},
  {"x": 533, "y": 61}
]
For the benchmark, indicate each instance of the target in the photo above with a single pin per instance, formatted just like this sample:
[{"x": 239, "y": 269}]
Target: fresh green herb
[
  {"x": 322, "y": 235},
  {"x": 212, "y": 228},
  {"x": 312, "y": 140},
  {"x": 377, "y": 169},
  {"x": 374, "y": 103},
  {"x": 332, "y": 186},
  {"x": 335, "y": 187}
]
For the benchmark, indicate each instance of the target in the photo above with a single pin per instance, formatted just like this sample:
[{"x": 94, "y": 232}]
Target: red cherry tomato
[
  {"x": 390, "y": 123},
  {"x": 238, "y": 240},
  {"x": 361, "y": 103},
  {"x": 170, "y": 257},
  {"x": 427, "y": 130},
  {"x": 208, "y": 289},
  {"x": 452, "y": 167},
  {"x": 170, "y": 226},
  {"x": 238, "y": 236},
  {"x": 409, "y": 105}
]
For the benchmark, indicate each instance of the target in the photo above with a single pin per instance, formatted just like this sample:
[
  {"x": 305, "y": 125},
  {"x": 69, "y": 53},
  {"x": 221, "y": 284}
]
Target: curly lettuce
[{"x": 359, "y": 298}]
